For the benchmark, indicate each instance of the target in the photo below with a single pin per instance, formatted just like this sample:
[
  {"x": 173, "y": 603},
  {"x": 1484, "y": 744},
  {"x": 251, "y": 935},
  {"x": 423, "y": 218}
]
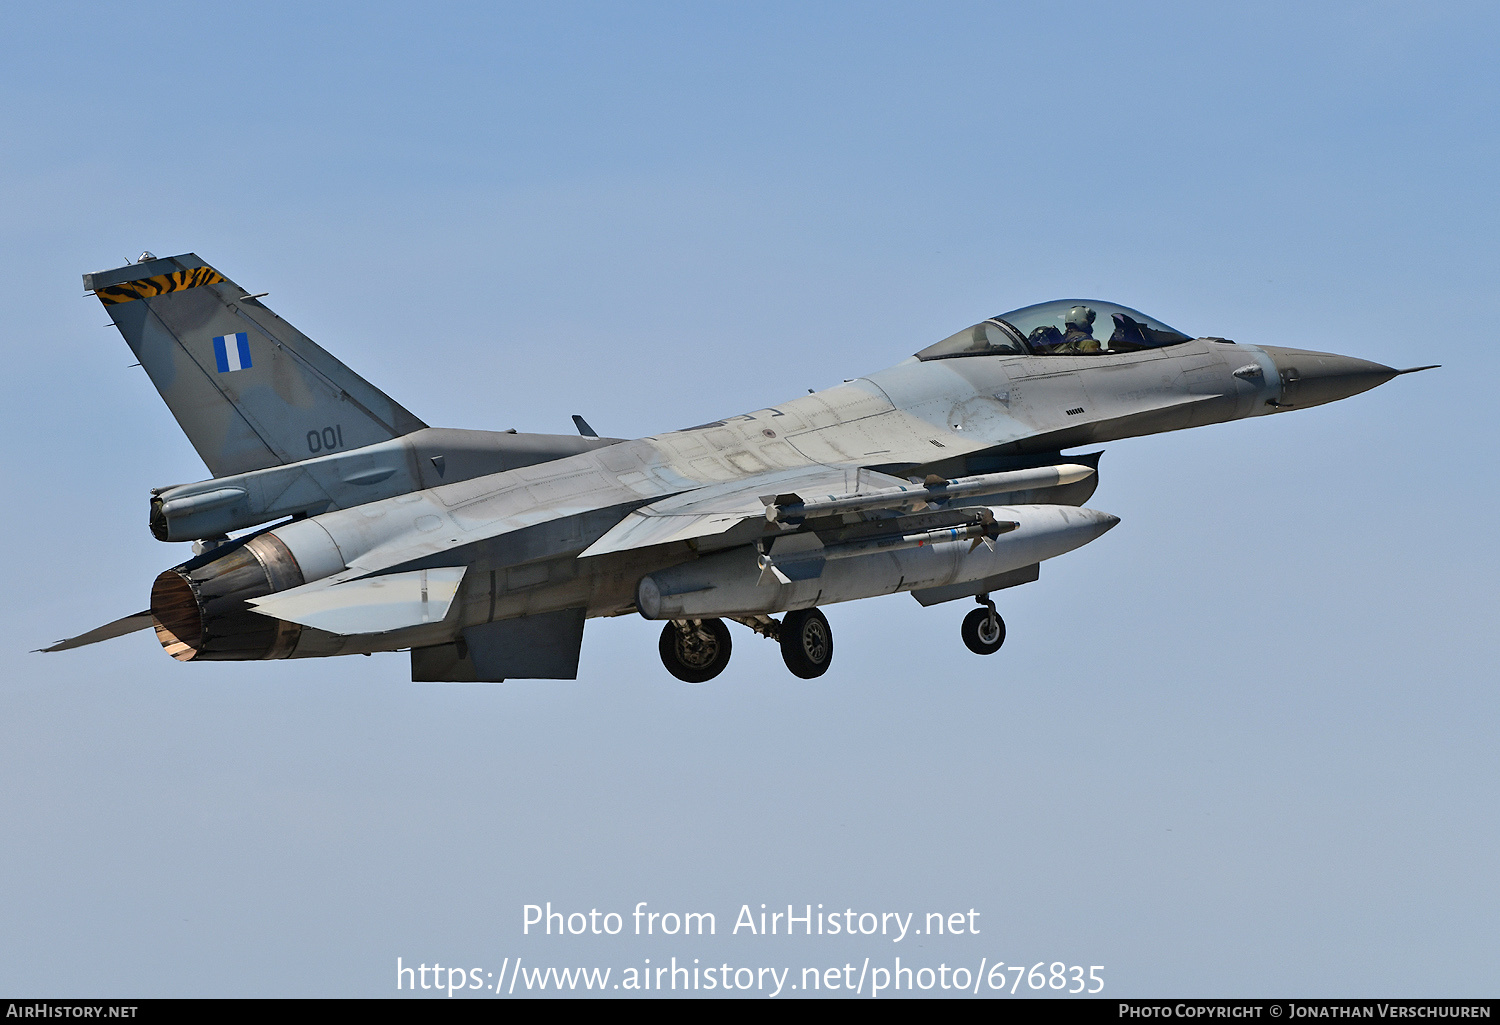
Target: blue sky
[{"x": 1242, "y": 745}]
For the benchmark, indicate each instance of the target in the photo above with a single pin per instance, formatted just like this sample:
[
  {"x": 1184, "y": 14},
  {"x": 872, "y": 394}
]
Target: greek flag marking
[{"x": 232, "y": 352}]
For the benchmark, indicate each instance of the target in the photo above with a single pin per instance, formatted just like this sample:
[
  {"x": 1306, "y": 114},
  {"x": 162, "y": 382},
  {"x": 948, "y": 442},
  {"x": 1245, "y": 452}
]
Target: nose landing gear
[{"x": 983, "y": 630}]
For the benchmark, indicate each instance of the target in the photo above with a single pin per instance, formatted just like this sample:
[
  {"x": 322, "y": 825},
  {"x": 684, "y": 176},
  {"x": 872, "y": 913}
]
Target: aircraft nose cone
[{"x": 1313, "y": 378}]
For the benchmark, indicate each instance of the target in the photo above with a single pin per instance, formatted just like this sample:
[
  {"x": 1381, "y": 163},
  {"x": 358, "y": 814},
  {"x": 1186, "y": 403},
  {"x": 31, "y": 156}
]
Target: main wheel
[
  {"x": 806, "y": 643},
  {"x": 698, "y": 656},
  {"x": 984, "y": 631}
]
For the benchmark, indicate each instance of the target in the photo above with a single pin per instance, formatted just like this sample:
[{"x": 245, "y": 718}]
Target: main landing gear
[
  {"x": 806, "y": 643},
  {"x": 697, "y": 650},
  {"x": 983, "y": 630}
]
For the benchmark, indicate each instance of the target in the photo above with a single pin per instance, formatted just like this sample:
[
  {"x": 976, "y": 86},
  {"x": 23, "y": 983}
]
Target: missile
[
  {"x": 983, "y": 531},
  {"x": 934, "y": 491}
]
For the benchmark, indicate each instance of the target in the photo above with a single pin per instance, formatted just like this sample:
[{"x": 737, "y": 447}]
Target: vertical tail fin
[{"x": 248, "y": 389}]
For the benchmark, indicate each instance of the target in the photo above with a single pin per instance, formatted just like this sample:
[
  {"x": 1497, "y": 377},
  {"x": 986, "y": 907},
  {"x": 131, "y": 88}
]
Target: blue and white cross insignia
[{"x": 232, "y": 352}]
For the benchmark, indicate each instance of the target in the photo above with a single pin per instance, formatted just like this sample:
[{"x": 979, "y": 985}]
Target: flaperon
[{"x": 484, "y": 553}]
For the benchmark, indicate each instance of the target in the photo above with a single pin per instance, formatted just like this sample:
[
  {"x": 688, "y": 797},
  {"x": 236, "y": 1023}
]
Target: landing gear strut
[
  {"x": 695, "y": 650},
  {"x": 983, "y": 630}
]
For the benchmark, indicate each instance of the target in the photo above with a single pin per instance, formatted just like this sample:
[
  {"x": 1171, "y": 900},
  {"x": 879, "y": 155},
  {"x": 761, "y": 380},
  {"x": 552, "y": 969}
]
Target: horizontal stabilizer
[
  {"x": 368, "y": 605},
  {"x": 109, "y": 631}
]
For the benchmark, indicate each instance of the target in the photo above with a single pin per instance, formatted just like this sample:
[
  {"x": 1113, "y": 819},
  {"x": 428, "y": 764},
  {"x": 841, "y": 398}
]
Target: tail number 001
[{"x": 326, "y": 440}]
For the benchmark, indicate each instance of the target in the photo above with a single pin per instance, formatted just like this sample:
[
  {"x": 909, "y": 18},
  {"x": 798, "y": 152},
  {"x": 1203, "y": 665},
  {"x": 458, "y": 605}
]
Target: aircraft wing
[{"x": 391, "y": 590}]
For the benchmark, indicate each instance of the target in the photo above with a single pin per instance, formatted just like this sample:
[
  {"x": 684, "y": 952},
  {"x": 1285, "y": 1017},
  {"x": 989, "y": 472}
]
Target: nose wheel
[
  {"x": 695, "y": 650},
  {"x": 983, "y": 630}
]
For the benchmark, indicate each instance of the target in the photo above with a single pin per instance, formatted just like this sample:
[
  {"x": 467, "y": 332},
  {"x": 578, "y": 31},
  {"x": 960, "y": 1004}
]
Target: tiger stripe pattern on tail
[{"x": 145, "y": 288}]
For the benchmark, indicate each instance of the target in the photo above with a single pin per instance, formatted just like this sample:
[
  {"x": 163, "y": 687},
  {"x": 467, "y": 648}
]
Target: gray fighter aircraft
[{"x": 484, "y": 553}]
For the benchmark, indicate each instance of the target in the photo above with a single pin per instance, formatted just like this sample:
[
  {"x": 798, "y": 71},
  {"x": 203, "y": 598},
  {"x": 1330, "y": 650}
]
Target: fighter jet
[{"x": 335, "y": 522}]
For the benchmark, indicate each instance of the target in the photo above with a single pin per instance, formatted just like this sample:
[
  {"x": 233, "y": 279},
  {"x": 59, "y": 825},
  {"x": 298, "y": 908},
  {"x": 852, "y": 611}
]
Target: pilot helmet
[{"x": 1080, "y": 317}]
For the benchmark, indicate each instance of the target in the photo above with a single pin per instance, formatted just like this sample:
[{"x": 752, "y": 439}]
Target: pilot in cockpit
[{"x": 1079, "y": 337}]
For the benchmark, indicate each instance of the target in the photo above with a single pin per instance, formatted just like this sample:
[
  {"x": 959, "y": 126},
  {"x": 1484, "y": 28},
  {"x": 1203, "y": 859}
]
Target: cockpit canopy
[{"x": 1063, "y": 327}]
